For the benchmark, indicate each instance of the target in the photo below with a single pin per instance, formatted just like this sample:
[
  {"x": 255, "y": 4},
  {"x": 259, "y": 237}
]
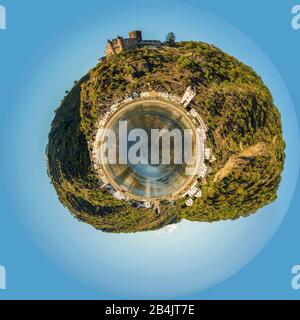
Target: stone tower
[{"x": 137, "y": 34}]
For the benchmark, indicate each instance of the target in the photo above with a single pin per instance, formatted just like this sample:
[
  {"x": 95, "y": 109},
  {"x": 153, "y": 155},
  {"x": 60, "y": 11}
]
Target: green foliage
[
  {"x": 232, "y": 99},
  {"x": 171, "y": 39}
]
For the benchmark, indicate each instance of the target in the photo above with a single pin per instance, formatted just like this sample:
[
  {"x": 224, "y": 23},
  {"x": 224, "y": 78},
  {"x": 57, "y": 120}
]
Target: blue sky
[{"x": 47, "y": 253}]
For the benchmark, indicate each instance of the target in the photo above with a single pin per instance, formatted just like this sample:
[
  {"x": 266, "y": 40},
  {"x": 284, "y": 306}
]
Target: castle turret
[
  {"x": 137, "y": 34},
  {"x": 120, "y": 43},
  {"x": 109, "y": 48}
]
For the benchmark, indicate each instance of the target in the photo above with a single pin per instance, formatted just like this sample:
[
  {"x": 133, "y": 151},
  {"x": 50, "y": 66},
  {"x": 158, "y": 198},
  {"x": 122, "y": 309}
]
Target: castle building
[{"x": 134, "y": 41}]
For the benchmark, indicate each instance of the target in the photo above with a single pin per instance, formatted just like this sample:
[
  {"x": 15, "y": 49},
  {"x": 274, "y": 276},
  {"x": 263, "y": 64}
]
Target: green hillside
[{"x": 244, "y": 132}]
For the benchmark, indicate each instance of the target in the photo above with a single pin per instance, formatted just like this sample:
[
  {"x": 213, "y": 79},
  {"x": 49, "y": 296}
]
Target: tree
[{"x": 171, "y": 39}]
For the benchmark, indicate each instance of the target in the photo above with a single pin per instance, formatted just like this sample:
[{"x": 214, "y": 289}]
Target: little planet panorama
[{"x": 161, "y": 131}]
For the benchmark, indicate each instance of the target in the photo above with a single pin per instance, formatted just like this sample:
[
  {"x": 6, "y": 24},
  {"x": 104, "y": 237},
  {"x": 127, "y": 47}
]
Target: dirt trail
[{"x": 241, "y": 158}]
